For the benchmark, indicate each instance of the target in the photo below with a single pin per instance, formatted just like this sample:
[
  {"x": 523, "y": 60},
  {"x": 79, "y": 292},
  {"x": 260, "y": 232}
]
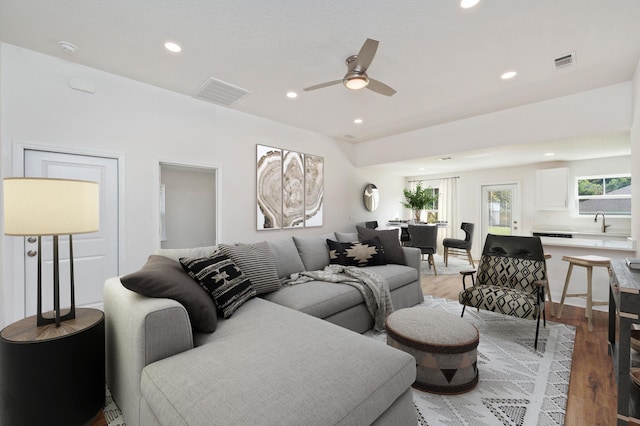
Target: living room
[{"x": 142, "y": 125}]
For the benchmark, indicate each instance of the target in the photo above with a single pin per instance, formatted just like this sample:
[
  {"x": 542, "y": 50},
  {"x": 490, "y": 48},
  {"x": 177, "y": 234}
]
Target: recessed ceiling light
[
  {"x": 507, "y": 75},
  {"x": 292, "y": 95},
  {"x": 549, "y": 154},
  {"x": 67, "y": 47},
  {"x": 172, "y": 47},
  {"x": 358, "y": 121},
  {"x": 466, "y": 4}
]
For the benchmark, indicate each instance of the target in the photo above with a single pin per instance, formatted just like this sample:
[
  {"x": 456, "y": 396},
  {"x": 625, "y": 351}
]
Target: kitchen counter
[{"x": 590, "y": 243}]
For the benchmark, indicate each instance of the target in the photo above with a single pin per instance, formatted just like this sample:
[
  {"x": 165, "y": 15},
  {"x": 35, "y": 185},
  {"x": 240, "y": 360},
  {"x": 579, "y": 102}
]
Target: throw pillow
[
  {"x": 257, "y": 263},
  {"x": 222, "y": 279},
  {"x": 390, "y": 240},
  {"x": 361, "y": 253},
  {"x": 164, "y": 277}
]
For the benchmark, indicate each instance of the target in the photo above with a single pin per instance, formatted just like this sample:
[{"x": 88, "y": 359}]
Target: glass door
[{"x": 501, "y": 209}]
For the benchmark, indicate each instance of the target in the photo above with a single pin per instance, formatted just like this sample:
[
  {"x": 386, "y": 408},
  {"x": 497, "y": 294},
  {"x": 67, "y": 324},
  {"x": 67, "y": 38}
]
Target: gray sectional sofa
[{"x": 288, "y": 357}]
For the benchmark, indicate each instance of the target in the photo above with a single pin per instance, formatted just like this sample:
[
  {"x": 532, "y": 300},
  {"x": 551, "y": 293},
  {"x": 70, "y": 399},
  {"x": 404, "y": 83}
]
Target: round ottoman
[{"x": 443, "y": 344}]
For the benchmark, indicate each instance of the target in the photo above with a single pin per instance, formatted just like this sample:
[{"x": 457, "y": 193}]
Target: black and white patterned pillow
[
  {"x": 222, "y": 279},
  {"x": 359, "y": 253}
]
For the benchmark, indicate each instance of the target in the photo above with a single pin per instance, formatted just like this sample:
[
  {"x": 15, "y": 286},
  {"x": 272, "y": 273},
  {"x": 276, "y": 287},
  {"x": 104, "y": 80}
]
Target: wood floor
[{"x": 592, "y": 387}]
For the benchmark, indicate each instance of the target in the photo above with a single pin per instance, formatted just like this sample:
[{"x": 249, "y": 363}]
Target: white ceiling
[{"x": 444, "y": 62}]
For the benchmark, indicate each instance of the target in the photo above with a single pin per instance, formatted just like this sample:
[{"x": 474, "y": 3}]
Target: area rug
[
  {"x": 455, "y": 265},
  {"x": 518, "y": 386}
]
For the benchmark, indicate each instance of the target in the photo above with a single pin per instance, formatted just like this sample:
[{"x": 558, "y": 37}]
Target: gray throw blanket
[{"x": 373, "y": 287}]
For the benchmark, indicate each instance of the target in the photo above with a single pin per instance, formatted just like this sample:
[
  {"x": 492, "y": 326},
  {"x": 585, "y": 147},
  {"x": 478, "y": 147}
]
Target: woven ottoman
[{"x": 443, "y": 344}]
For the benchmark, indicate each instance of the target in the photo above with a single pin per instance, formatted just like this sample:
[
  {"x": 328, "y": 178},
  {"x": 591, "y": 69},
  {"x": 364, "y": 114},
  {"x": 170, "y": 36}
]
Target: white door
[
  {"x": 95, "y": 255},
  {"x": 500, "y": 209}
]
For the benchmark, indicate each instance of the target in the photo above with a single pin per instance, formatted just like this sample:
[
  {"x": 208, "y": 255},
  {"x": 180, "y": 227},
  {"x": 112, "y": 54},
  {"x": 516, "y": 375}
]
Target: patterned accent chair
[{"x": 510, "y": 279}]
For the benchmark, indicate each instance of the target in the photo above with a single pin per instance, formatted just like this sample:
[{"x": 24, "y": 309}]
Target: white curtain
[{"x": 448, "y": 208}]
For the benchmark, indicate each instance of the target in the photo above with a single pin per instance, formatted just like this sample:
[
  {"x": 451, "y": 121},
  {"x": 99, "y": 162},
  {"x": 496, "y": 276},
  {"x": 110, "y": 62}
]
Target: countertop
[{"x": 590, "y": 243}]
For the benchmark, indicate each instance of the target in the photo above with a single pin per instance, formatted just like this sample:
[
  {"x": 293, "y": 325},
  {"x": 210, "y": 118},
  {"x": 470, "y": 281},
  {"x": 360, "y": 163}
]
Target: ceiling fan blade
[
  {"x": 365, "y": 56},
  {"x": 379, "y": 87},
  {"x": 321, "y": 85}
]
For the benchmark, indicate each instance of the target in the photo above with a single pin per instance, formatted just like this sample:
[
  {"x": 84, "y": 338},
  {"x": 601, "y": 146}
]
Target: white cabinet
[{"x": 552, "y": 186}]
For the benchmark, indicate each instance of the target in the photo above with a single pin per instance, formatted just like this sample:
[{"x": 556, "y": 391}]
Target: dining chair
[
  {"x": 457, "y": 246},
  {"x": 425, "y": 237}
]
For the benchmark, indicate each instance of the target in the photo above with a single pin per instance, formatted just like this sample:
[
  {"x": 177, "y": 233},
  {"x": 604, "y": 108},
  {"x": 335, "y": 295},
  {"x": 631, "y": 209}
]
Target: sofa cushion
[
  {"x": 314, "y": 251},
  {"x": 256, "y": 262},
  {"x": 164, "y": 277},
  {"x": 390, "y": 242},
  {"x": 346, "y": 237},
  {"x": 286, "y": 257},
  {"x": 360, "y": 253},
  {"x": 241, "y": 377},
  {"x": 396, "y": 275},
  {"x": 317, "y": 298},
  {"x": 222, "y": 279},
  {"x": 176, "y": 254}
]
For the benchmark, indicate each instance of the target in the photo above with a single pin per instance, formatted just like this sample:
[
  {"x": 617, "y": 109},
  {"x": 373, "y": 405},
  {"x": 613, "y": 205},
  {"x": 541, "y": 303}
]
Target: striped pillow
[
  {"x": 257, "y": 263},
  {"x": 222, "y": 279}
]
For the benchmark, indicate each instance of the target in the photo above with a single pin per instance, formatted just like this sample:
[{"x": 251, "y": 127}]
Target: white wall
[
  {"x": 469, "y": 196},
  {"x": 635, "y": 156},
  {"x": 147, "y": 125}
]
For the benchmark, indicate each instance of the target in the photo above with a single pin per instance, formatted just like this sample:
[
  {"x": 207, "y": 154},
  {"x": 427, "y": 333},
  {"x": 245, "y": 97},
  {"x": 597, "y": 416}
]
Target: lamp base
[{"x": 56, "y": 318}]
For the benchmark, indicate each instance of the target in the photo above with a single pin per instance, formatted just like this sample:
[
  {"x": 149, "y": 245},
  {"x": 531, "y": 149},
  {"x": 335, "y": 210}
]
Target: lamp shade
[{"x": 43, "y": 206}]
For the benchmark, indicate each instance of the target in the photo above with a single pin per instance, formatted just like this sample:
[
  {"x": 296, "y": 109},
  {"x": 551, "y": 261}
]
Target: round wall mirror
[{"x": 371, "y": 197}]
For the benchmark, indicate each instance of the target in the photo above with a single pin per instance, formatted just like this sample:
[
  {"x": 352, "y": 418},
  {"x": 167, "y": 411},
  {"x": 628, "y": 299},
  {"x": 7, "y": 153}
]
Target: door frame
[
  {"x": 516, "y": 210},
  {"x": 193, "y": 165},
  {"x": 15, "y": 247}
]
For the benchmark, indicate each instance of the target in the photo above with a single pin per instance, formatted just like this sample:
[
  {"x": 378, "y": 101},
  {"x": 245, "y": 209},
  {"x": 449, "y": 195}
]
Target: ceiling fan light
[{"x": 356, "y": 82}]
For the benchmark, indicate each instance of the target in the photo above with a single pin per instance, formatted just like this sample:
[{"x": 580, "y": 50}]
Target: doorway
[
  {"x": 96, "y": 254},
  {"x": 500, "y": 209},
  {"x": 188, "y": 206}
]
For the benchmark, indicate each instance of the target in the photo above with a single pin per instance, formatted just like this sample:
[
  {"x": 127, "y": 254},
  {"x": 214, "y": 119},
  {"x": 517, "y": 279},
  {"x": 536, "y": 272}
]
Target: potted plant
[{"x": 419, "y": 199}]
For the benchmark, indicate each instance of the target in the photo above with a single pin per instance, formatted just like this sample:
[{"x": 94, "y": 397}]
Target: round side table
[{"x": 52, "y": 375}]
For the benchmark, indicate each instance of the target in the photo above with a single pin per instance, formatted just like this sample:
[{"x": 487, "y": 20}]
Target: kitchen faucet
[{"x": 604, "y": 227}]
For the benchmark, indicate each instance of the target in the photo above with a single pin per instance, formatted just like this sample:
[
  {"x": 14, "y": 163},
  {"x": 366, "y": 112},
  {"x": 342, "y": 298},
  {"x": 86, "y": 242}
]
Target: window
[{"x": 607, "y": 194}]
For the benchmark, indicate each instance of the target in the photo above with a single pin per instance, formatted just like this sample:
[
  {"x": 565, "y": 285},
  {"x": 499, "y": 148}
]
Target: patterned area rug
[{"x": 517, "y": 386}]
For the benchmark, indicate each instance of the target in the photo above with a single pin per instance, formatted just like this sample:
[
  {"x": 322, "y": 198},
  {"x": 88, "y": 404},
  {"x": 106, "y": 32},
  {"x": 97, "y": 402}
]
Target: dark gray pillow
[
  {"x": 222, "y": 279},
  {"x": 257, "y": 263},
  {"x": 390, "y": 239},
  {"x": 164, "y": 277}
]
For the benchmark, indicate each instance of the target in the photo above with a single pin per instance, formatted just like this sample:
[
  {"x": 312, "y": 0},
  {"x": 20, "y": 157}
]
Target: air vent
[
  {"x": 565, "y": 61},
  {"x": 220, "y": 92},
  {"x": 349, "y": 137}
]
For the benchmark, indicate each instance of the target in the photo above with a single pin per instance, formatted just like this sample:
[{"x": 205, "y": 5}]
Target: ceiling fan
[{"x": 356, "y": 77}]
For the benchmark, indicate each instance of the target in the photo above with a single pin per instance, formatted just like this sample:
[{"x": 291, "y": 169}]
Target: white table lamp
[{"x": 51, "y": 207}]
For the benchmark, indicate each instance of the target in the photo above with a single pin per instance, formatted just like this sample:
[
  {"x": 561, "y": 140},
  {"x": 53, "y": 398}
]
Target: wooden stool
[
  {"x": 546, "y": 286},
  {"x": 588, "y": 262}
]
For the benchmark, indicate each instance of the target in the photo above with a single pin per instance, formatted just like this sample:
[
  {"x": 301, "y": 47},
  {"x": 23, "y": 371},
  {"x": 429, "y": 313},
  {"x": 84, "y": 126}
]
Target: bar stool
[
  {"x": 546, "y": 286},
  {"x": 588, "y": 262}
]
